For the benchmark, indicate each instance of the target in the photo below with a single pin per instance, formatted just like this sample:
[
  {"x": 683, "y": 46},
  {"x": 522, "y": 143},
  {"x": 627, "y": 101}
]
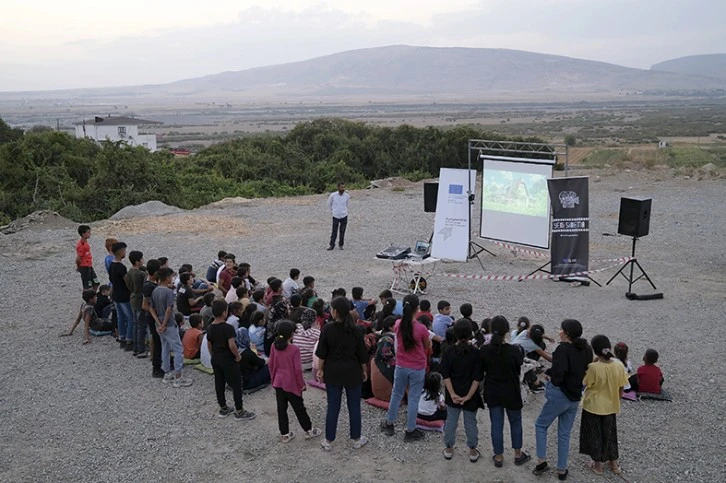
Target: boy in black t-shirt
[
  {"x": 186, "y": 301},
  {"x": 121, "y": 296},
  {"x": 225, "y": 362},
  {"x": 103, "y": 303},
  {"x": 150, "y": 317},
  {"x": 87, "y": 313}
]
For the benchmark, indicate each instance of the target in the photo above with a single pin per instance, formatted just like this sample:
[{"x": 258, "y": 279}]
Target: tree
[{"x": 570, "y": 140}]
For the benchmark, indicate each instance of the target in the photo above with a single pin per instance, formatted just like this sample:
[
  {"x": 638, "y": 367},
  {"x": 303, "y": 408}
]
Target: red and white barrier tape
[
  {"x": 521, "y": 250},
  {"x": 506, "y": 278}
]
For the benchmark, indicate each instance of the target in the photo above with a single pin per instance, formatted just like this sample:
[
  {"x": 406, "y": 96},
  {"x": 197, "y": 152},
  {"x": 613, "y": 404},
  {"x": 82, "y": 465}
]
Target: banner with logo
[
  {"x": 570, "y": 246},
  {"x": 451, "y": 225}
]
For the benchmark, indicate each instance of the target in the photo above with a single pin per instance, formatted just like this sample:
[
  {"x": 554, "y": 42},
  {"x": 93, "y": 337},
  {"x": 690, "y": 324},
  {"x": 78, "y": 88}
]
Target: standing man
[{"x": 338, "y": 205}]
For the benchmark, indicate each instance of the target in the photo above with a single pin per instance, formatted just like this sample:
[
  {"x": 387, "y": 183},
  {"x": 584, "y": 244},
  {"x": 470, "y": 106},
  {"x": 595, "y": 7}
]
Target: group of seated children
[{"x": 648, "y": 379}]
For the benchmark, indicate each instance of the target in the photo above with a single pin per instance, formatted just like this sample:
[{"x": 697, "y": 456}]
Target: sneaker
[
  {"x": 387, "y": 429},
  {"x": 129, "y": 347},
  {"x": 313, "y": 433},
  {"x": 330, "y": 248},
  {"x": 415, "y": 435},
  {"x": 182, "y": 381},
  {"x": 286, "y": 438},
  {"x": 157, "y": 374},
  {"x": 341, "y": 247},
  {"x": 326, "y": 445},
  {"x": 122, "y": 344},
  {"x": 225, "y": 411},
  {"x": 244, "y": 415},
  {"x": 537, "y": 389},
  {"x": 360, "y": 442},
  {"x": 168, "y": 378},
  {"x": 142, "y": 355}
]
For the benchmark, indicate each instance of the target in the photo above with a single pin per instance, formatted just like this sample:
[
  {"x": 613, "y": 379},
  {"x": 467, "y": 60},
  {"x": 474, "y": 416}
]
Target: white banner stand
[{"x": 452, "y": 222}]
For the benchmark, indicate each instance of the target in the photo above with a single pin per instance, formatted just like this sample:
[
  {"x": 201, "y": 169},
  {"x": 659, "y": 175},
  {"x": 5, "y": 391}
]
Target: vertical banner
[
  {"x": 570, "y": 224},
  {"x": 451, "y": 225}
]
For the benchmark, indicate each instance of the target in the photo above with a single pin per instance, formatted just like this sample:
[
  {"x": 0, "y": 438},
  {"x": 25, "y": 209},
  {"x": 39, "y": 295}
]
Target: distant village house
[{"x": 117, "y": 128}]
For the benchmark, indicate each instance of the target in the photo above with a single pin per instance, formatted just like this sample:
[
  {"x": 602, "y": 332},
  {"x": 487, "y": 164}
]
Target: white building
[{"x": 117, "y": 128}]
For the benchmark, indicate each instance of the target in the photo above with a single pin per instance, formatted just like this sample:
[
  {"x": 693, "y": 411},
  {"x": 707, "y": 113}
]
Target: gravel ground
[{"x": 93, "y": 413}]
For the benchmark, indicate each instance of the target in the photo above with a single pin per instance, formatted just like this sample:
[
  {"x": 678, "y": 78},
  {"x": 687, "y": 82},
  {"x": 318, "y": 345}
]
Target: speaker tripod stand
[{"x": 632, "y": 263}]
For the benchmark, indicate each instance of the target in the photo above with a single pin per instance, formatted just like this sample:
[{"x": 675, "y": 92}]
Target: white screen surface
[{"x": 515, "y": 203}]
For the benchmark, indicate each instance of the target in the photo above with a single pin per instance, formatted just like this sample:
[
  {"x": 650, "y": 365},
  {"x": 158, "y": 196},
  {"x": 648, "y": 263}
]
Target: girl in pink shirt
[{"x": 287, "y": 379}]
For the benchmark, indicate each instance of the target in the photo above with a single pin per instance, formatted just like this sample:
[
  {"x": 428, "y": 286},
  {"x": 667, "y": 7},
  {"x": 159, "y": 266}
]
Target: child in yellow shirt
[{"x": 604, "y": 383}]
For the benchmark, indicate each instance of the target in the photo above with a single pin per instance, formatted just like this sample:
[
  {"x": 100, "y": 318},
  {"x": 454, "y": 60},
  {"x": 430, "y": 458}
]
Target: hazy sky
[{"x": 51, "y": 44}]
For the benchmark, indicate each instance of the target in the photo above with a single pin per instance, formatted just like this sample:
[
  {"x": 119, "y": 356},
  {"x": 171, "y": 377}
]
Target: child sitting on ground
[
  {"x": 432, "y": 406},
  {"x": 192, "y": 340},
  {"x": 103, "y": 303},
  {"x": 235, "y": 310},
  {"x": 91, "y": 321},
  {"x": 621, "y": 354},
  {"x": 361, "y": 306},
  {"x": 206, "y": 312},
  {"x": 649, "y": 377},
  {"x": 257, "y": 332},
  {"x": 424, "y": 308},
  {"x": 287, "y": 379},
  {"x": 443, "y": 320}
]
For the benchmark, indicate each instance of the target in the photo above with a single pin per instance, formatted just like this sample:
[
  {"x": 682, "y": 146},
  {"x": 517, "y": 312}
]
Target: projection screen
[{"x": 515, "y": 203}]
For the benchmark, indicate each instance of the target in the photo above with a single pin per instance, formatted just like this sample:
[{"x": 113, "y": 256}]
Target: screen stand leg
[{"x": 475, "y": 250}]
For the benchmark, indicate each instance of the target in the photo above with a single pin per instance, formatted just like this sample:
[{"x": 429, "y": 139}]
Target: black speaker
[
  {"x": 634, "y": 217},
  {"x": 431, "y": 194}
]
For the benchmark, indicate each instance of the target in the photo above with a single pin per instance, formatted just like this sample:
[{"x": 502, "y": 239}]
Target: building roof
[{"x": 117, "y": 121}]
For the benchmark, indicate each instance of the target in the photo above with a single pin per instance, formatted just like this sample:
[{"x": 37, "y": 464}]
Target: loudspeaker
[
  {"x": 431, "y": 194},
  {"x": 634, "y": 217}
]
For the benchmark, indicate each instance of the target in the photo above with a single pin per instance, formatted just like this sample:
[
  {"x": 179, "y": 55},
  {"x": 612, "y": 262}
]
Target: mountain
[
  {"x": 713, "y": 65},
  {"x": 457, "y": 71},
  {"x": 399, "y": 72}
]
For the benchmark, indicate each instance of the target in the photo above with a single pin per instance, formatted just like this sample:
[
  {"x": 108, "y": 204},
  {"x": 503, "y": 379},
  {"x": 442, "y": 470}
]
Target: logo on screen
[
  {"x": 568, "y": 199},
  {"x": 456, "y": 189}
]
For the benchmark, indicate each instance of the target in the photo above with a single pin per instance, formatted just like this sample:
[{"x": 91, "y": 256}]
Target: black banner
[{"x": 570, "y": 224}]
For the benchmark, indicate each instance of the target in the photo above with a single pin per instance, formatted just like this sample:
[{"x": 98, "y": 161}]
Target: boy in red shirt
[
  {"x": 84, "y": 260},
  {"x": 650, "y": 377}
]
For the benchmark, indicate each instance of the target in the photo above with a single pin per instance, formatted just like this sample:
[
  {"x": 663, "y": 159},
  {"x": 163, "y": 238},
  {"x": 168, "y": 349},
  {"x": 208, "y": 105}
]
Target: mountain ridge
[{"x": 438, "y": 72}]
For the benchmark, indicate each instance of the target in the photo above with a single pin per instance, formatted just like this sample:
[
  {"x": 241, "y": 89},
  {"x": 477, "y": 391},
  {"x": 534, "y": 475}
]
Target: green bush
[{"x": 86, "y": 181}]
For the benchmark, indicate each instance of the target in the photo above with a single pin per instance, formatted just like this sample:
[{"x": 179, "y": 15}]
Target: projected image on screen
[
  {"x": 515, "y": 203},
  {"x": 511, "y": 192}
]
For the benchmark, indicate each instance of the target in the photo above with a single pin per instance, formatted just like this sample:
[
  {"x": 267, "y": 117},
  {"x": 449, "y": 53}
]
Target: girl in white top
[{"x": 432, "y": 406}]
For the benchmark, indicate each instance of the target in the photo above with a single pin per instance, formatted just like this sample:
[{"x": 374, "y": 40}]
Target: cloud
[{"x": 636, "y": 34}]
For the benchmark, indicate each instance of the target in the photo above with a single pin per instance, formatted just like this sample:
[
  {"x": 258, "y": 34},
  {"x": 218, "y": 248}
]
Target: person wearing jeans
[
  {"x": 502, "y": 364},
  {"x": 342, "y": 359},
  {"x": 460, "y": 368},
  {"x": 147, "y": 289},
  {"x": 162, "y": 304},
  {"x": 414, "y": 379},
  {"x": 125, "y": 317},
  {"x": 338, "y": 206},
  {"x": 563, "y": 393},
  {"x": 334, "y": 395},
  {"x": 412, "y": 348}
]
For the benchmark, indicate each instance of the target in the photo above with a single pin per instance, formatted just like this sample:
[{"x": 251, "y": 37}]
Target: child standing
[
  {"x": 225, "y": 363},
  {"x": 432, "y": 406},
  {"x": 461, "y": 370},
  {"x": 84, "y": 259},
  {"x": 650, "y": 377},
  {"x": 604, "y": 382},
  {"x": 162, "y": 304},
  {"x": 287, "y": 379},
  {"x": 502, "y": 363}
]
